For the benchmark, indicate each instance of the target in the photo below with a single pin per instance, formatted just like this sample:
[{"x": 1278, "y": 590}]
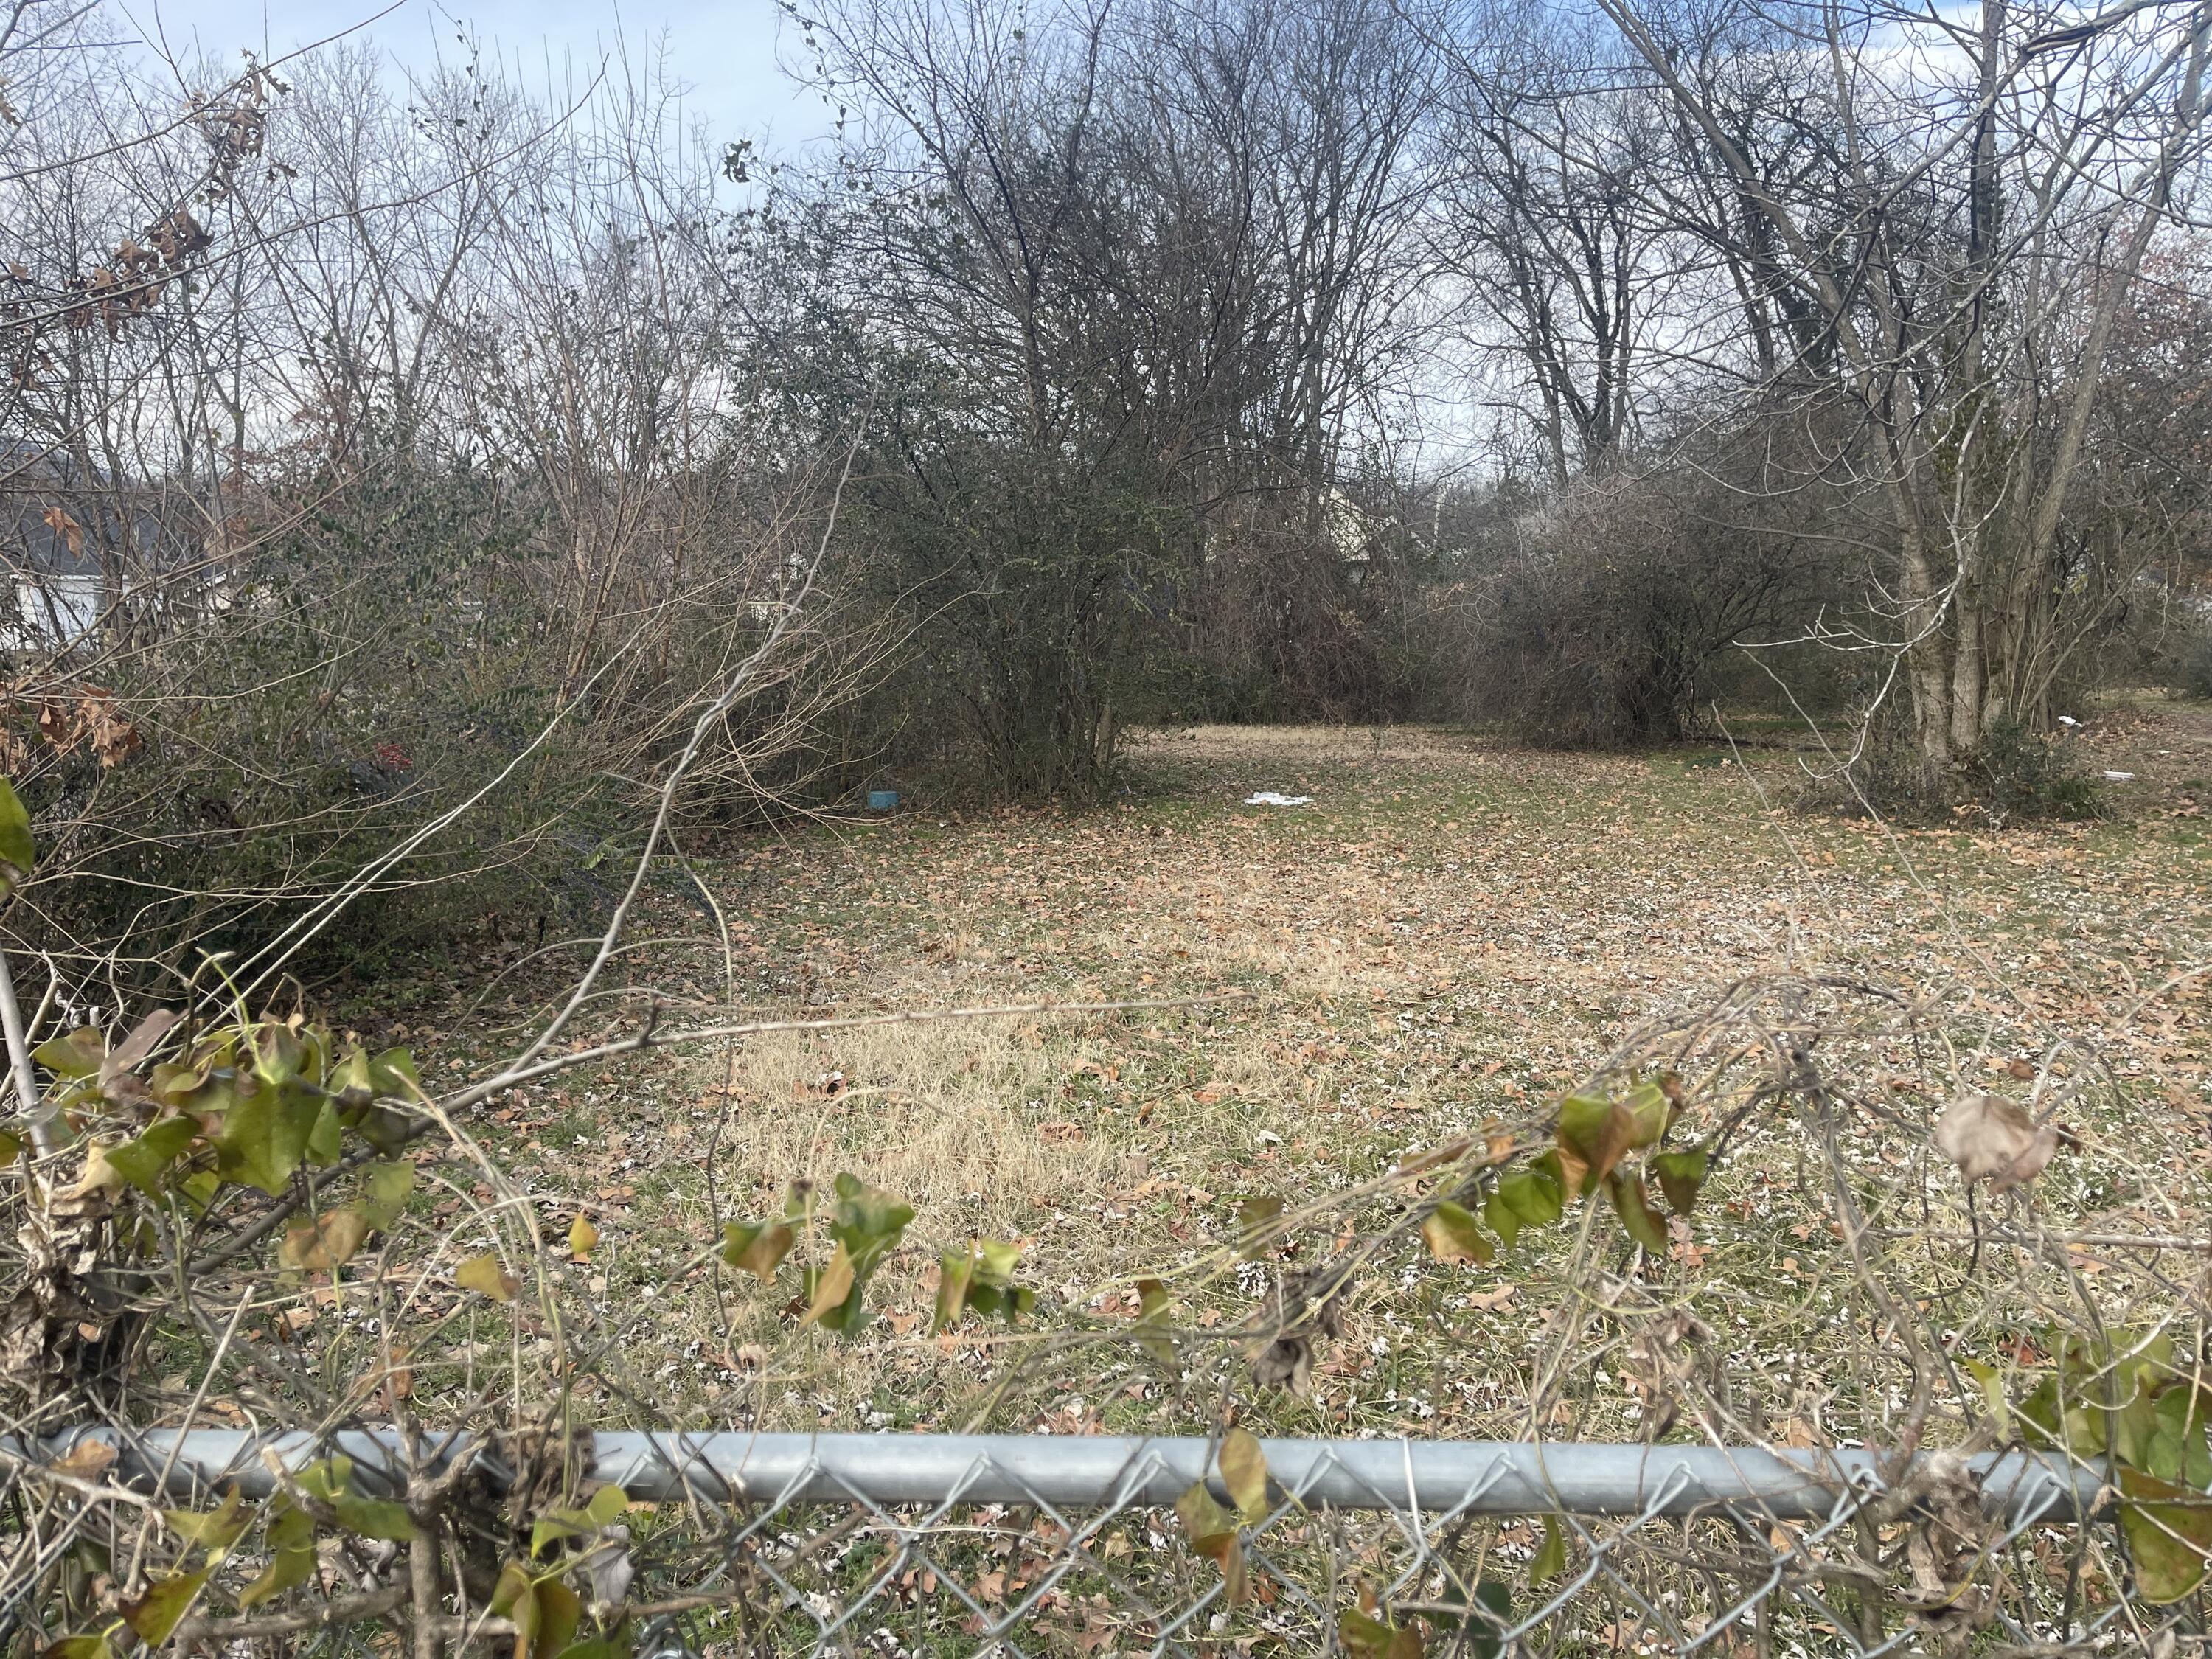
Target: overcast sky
[{"x": 725, "y": 50}]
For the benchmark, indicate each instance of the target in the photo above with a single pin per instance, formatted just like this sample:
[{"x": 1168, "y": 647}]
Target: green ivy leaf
[
  {"x": 214, "y": 1530},
  {"x": 143, "y": 1162},
  {"x": 1535, "y": 1195},
  {"x": 363, "y": 1082},
  {"x": 955, "y": 1268},
  {"x": 287, "y": 1568},
  {"x": 868, "y": 1221},
  {"x": 291, "y": 1528},
  {"x": 373, "y": 1518},
  {"x": 1680, "y": 1175},
  {"x": 1633, "y": 1205},
  {"x": 559, "y": 1612},
  {"x": 1647, "y": 1111},
  {"x": 1212, "y": 1532},
  {"x": 173, "y": 1083},
  {"x": 2039, "y": 1413},
  {"x": 327, "y": 1479},
  {"x": 607, "y": 1505},
  {"x": 393, "y": 1072},
  {"x": 514, "y": 1597},
  {"x": 198, "y": 1189},
  {"x": 1363, "y": 1636},
  {"x": 1503, "y": 1220},
  {"x": 2135, "y": 1425},
  {"x": 866, "y": 1224},
  {"x": 555, "y": 1525},
  {"x": 1588, "y": 1139},
  {"x": 758, "y": 1246},
  {"x": 980, "y": 1277},
  {"x": 995, "y": 1261},
  {"x": 324, "y": 1137},
  {"x": 19, "y": 854},
  {"x": 164, "y": 1605},
  {"x": 2169, "y": 1533},
  {"x": 280, "y": 1056},
  {"x": 513, "y": 1588},
  {"x": 384, "y": 1191},
  {"x": 78, "y": 1055},
  {"x": 1550, "y": 1555},
  {"x": 2053, "y": 1416},
  {"x": 1452, "y": 1235},
  {"x": 834, "y": 1293},
  {"x": 264, "y": 1138},
  {"x": 2181, "y": 1420}
]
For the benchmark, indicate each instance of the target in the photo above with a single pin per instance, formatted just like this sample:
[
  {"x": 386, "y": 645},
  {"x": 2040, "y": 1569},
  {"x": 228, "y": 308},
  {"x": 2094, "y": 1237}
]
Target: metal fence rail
[
  {"x": 1006, "y": 1543},
  {"x": 1086, "y": 1472}
]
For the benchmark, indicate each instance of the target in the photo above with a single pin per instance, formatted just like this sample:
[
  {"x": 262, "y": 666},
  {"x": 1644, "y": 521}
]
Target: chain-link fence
[
  {"x": 1005, "y": 1544},
  {"x": 1823, "y": 1403}
]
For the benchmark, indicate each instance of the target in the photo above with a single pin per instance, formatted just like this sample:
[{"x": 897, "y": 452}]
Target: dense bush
[
  {"x": 422, "y": 632},
  {"x": 1613, "y": 615},
  {"x": 2017, "y": 776},
  {"x": 2186, "y": 664}
]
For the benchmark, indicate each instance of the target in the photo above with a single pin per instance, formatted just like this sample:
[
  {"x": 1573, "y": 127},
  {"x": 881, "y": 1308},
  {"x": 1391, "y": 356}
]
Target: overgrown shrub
[
  {"x": 1608, "y": 622},
  {"x": 494, "y": 551},
  {"x": 2021, "y": 774},
  {"x": 2015, "y": 776},
  {"x": 2192, "y": 666}
]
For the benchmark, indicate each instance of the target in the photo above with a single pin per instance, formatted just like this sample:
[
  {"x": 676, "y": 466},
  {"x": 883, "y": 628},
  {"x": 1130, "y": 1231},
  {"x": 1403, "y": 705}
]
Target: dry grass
[{"x": 1449, "y": 936}]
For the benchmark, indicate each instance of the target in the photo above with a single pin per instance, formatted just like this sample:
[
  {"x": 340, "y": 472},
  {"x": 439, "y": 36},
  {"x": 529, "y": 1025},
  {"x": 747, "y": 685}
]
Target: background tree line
[{"x": 393, "y": 470}]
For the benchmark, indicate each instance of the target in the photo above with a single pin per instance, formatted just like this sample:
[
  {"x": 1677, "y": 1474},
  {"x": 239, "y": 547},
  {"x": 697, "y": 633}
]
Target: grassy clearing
[{"x": 1450, "y": 935}]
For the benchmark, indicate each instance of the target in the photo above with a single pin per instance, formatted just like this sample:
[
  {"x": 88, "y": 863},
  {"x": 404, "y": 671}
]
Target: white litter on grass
[
  {"x": 2119, "y": 777},
  {"x": 1269, "y": 798},
  {"x": 2067, "y": 719}
]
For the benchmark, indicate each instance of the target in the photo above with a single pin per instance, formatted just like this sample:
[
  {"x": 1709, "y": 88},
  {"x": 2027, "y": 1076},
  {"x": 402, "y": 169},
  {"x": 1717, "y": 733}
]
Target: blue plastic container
[{"x": 883, "y": 800}]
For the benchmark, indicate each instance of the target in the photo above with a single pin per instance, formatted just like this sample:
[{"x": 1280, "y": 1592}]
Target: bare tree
[
  {"x": 1542, "y": 213},
  {"x": 383, "y": 473},
  {"x": 1947, "y": 248}
]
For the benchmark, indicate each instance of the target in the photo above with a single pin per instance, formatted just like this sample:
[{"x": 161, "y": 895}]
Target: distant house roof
[{"x": 35, "y": 480}]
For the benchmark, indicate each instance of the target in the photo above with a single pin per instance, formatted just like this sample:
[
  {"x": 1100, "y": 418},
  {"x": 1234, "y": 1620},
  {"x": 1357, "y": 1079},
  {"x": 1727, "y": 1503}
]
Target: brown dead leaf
[
  {"x": 100, "y": 1176},
  {"x": 1989, "y": 1135},
  {"x": 324, "y": 1243},
  {"x": 88, "y": 1459},
  {"x": 71, "y": 532}
]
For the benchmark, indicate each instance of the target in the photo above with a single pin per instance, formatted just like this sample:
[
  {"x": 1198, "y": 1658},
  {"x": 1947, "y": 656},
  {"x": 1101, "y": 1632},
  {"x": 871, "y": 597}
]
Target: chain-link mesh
[
  {"x": 1040, "y": 1575},
  {"x": 1712, "y": 1402},
  {"x": 919, "y": 1544}
]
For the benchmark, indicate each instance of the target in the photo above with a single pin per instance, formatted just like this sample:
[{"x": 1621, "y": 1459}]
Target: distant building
[{"x": 58, "y": 539}]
